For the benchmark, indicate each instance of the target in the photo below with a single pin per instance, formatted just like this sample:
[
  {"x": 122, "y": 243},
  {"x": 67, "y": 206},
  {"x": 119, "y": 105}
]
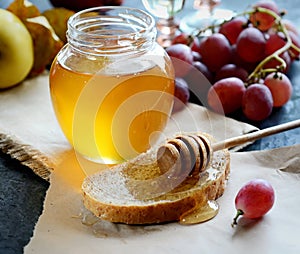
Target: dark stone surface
[{"x": 21, "y": 202}]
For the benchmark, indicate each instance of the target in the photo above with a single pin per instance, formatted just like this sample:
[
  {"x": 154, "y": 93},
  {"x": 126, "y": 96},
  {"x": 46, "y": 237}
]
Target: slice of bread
[{"x": 139, "y": 192}]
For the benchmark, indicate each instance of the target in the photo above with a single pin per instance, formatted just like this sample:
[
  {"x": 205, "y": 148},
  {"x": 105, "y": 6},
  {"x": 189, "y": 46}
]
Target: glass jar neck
[{"x": 111, "y": 31}]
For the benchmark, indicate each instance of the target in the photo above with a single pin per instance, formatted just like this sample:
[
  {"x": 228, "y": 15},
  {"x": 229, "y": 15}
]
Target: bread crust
[{"x": 167, "y": 207}]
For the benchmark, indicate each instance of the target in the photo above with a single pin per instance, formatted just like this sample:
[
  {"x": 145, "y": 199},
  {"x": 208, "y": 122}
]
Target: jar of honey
[{"x": 112, "y": 85}]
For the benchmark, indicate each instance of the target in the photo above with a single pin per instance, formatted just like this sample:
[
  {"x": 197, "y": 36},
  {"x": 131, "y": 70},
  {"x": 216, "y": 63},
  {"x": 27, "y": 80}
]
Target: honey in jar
[{"x": 112, "y": 85}]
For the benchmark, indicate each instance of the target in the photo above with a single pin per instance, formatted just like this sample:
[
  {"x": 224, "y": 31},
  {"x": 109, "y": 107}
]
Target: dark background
[{"x": 22, "y": 193}]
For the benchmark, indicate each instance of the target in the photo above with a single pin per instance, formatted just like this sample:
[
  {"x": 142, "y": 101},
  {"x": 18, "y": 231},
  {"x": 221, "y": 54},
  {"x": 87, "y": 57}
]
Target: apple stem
[{"x": 238, "y": 214}]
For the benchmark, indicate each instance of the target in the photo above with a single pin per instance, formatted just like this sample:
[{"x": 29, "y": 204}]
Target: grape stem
[{"x": 238, "y": 214}]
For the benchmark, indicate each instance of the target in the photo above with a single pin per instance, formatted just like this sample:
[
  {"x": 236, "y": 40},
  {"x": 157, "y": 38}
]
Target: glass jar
[{"x": 112, "y": 85}]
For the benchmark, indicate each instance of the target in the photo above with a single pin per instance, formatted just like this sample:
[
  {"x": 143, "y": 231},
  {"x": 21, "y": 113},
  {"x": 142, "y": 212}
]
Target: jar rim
[
  {"x": 121, "y": 9},
  {"x": 96, "y": 30}
]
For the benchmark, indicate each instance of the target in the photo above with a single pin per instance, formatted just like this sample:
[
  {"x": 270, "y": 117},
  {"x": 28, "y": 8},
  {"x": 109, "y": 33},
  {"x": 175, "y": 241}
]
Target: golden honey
[
  {"x": 112, "y": 85},
  {"x": 111, "y": 118}
]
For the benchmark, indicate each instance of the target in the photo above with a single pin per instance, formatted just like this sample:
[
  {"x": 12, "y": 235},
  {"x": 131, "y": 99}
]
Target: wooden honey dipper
[{"x": 190, "y": 151}]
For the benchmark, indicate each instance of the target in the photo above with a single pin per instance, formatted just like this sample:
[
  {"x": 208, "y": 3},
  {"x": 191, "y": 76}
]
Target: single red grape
[
  {"x": 181, "y": 93},
  {"x": 280, "y": 87},
  {"x": 199, "y": 80},
  {"x": 257, "y": 103},
  {"x": 232, "y": 28},
  {"x": 254, "y": 199},
  {"x": 250, "y": 45},
  {"x": 225, "y": 96},
  {"x": 182, "y": 58},
  {"x": 215, "y": 51}
]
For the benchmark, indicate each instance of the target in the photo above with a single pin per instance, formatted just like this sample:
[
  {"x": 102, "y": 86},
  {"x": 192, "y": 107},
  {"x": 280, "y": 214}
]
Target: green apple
[{"x": 16, "y": 50}]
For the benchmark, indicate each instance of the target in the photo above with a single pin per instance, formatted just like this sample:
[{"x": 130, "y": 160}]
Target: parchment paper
[
  {"x": 60, "y": 228},
  {"x": 29, "y": 132}
]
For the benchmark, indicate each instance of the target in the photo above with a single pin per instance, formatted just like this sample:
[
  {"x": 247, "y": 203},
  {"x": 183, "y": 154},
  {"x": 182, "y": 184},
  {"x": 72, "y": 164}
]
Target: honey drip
[{"x": 200, "y": 214}]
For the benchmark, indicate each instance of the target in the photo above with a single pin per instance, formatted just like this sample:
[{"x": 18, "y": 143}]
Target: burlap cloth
[{"x": 29, "y": 132}]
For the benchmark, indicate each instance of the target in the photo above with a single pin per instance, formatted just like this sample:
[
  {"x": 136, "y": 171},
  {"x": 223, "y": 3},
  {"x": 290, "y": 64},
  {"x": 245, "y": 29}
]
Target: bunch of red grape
[{"x": 246, "y": 59}]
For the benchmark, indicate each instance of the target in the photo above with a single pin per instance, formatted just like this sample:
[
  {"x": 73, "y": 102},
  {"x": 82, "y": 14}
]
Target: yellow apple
[{"x": 16, "y": 50}]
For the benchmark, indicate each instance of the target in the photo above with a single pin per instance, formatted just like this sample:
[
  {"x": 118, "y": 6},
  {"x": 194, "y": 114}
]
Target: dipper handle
[{"x": 239, "y": 140}]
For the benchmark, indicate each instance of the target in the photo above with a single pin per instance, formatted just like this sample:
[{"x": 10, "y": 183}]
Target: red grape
[
  {"x": 199, "y": 66},
  {"x": 231, "y": 70},
  {"x": 261, "y": 20},
  {"x": 257, "y": 102},
  {"x": 199, "y": 80},
  {"x": 232, "y": 28},
  {"x": 182, "y": 58},
  {"x": 215, "y": 51},
  {"x": 254, "y": 199},
  {"x": 225, "y": 96},
  {"x": 238, "y": 61},
  {"x": 181, "y": 93},
  {"x": 250, "y": 45},
  {"x": 280, "y": 87},
  {"x": 275, "y": 42}
]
